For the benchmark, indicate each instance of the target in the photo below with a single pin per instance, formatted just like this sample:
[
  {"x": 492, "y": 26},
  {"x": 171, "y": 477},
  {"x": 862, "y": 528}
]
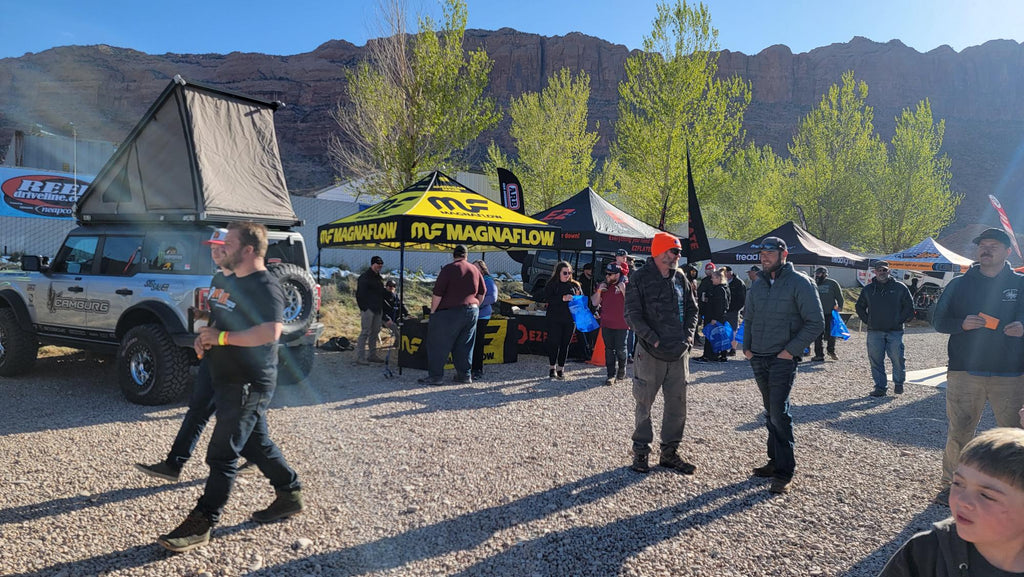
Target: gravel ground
[{"x": 515, "y": 475}]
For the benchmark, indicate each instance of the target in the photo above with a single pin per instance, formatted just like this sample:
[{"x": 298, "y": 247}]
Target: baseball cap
[
  {"x": 218, "y": 237},
  {"x": 391, "y": 282},
  {"x": 755, "y": 268},
  {"x": 588, "y": 266},
  {"x": 993, "y": 234},
  {"x": 622, "y": 252},
  {"x": 662, "y": 242},
  {"x": 376, "y": 260},
  {"x": 613, "y": 268},
  {"x": 709, "y": 266},
  {"x": 773, "y": 243},
  {"x": 878, "y": 264}
]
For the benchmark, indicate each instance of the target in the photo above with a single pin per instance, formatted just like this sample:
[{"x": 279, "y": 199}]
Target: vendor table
[
  {"x": 500, "y": 345},
  {"x": 532, "y": 334}
]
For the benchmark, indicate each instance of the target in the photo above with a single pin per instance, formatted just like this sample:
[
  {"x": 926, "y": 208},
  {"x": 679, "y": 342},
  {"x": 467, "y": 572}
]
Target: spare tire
[{"x": 299, "y": 298}]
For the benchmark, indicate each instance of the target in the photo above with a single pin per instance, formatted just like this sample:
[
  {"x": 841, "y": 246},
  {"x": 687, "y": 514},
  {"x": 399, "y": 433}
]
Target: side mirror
[{"x": 31, "y": 263}]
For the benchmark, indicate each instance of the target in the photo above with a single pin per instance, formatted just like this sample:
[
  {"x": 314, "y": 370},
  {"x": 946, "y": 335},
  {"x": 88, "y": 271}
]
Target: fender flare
[
  {"x": 168, "y": 318},
  {"x": 16, "y": 303}
]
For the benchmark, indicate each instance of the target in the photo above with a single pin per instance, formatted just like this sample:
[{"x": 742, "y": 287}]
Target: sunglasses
[
  {"x": 675, "y": 251},
  {"x": 566, "y": 271}
]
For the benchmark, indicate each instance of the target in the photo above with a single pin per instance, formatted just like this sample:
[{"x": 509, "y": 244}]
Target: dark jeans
[
  {"x": 478, "y": 346},
  {"x": 241, "y": 429},
  {"x": 559, "y": 336},
  {"x": 200, "y": 409},
  {"x": 827, "y": 335},
  {"x": 614, "y": 349},
  {"x": 774, "y": 377},
  {"x": 451, "y": 331}
]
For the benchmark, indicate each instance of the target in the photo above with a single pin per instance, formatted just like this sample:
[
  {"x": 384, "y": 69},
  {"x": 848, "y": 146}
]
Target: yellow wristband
[{"x": 222, "y": 338}]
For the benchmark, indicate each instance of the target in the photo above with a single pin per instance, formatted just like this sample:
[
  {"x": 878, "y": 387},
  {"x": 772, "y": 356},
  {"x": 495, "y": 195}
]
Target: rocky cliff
[{"x": 104, "y": 90}]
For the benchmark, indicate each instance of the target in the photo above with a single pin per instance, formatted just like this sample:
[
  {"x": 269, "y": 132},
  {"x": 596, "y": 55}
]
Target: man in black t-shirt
[{"x": 241, "y": 353}]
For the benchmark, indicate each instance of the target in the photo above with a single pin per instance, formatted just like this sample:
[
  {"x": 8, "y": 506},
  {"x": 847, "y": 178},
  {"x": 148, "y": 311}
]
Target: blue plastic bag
[
  {"x": 585, "y": 321},
  {"x": 839, "y": 329},
  {"x": 719, "y": 335},
  {"x": 737, "y": 337}
]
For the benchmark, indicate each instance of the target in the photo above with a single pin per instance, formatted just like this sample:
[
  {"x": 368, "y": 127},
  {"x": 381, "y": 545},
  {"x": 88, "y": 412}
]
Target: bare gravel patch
[{"x": 514, "y": 475}]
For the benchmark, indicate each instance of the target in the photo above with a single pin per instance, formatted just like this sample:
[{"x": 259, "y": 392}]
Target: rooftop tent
[
  {"x": 927, "y": 256},
  {"x": 804, "y": 249},
  {"x": 198, "y": 154},
  {"x": 591, "y": 223},
  {"x": 435, "y": 214}
]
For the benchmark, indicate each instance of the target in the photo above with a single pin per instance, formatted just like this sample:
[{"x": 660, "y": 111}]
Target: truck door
[
  {"x": 66, "y": 306},
  {"x": 114, "y": 283}
]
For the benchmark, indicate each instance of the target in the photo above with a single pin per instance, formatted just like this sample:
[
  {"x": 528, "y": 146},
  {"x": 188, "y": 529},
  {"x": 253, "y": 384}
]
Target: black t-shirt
[{"x": 246, "y": 302}]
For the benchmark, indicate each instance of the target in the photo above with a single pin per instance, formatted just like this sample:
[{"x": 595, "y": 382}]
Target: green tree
[
  {"x": 837, "y": 162},
  {"x": 554, "y": 150},
  {"x": 915, "y": 200},
  {"x": 670, "y": 97},
  {"x": 756, "y": 179},
  {"x": 413, "y": 105}
]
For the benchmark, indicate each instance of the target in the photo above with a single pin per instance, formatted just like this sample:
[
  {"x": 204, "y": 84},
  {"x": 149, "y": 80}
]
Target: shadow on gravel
[
  {"x": 876, "y": 560},
  {"x": 58, "y": 507},
  {"x": 479, "y": 395},
  {"x": 132, "y": 557},
  {"x": 584, "y": 550}
]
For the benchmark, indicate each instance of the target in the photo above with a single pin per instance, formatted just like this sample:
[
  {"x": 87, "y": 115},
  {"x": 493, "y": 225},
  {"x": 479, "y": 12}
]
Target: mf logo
[
  {"x": 389, "y": 204},
  {"x": 411, "y": 345},
  {"x": 449, "y": 204},
  {"x": 426, "y": 231}
]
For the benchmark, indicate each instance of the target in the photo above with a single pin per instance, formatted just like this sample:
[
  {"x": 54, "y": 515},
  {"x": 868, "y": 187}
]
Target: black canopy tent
[
  {"x": 804, "y": 249},
  {"x": 591, "y": 223}
]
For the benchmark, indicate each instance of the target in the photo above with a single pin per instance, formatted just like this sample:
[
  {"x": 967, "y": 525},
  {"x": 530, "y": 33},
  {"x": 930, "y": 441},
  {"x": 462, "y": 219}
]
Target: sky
[{"x": 286, "y": 28}]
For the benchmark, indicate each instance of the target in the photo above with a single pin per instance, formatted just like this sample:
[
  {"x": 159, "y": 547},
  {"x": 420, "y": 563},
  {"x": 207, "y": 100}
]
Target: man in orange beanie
[{"x": 661, "y": 308}]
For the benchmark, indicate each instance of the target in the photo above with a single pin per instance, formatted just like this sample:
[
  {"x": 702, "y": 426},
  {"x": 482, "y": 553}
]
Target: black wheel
[
  {"x": 294, "y": 364},
  {"x": 18, "y": 347},
  {"x": 299, "y": 294},
  {"x": 151, "y": 369}
]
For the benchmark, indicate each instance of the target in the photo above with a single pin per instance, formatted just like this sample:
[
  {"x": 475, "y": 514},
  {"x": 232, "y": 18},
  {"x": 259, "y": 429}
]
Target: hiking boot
[
  {"x": 897, "y": 388},
  {"x": 193, "y": 532},
  {"x": 832, "y": 355},
  {"x": 560, "y": 375},
  {"x": 817, "y": 359},
  {"x": 673, "y": 461},
  {"x": 942, "y": 498},
  {"x": 286, "y": 504},
  {"x": 780, "y": 486},
  {"x": 463, "y": 379},
  {"x": 429, "y": 381},
  {"x": 609, "y": 382},
  {"x": 877, "y": 393},
  {"x": 160, "y": 470},
  {"x": 551, "y": 374},
  {"x": 621, "y": 374},
  {"x": 764, "y": 471},
  {"x": 640, "y": 464}
]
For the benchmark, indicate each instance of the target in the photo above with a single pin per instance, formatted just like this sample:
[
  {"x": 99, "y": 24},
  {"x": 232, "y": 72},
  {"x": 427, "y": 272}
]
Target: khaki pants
[
  {"x": 649, "y": 376},
  {"x": 369, "y": 335},
  {"x": 965, "y": 400}
]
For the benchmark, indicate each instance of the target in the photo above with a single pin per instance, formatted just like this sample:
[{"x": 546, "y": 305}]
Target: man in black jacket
[
  {"x": 884, "y": 306},
  {"x": 831, "y": 295},
  {"x": 370, "y": 299},
  {"x": 661, "y": 308},
  {"x": 981, "y": 312}
]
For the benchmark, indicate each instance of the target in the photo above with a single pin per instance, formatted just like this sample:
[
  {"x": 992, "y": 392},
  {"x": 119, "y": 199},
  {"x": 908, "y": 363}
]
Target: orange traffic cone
[{"x": 597, "y": 358}]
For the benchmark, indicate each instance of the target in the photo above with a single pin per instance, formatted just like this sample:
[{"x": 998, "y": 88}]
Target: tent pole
[{"x": 401, "y": 303}]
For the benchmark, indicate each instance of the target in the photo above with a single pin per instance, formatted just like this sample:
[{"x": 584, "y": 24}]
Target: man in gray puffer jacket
[
  {"x": 783, "y": 315},
  {"x": 661, "y": 308}
]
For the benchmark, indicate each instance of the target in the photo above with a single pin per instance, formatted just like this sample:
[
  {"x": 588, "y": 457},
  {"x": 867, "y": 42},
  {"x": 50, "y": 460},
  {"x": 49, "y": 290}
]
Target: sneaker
[
  {"x": 246, "y": 467},
  {"x": 477, "y": 375},
  {"x": 765, "y": 471},
  {"x": 640, "y": 464},
  {"x": 780, "y": 486},
  {"x": 621, "y": 375},
  {"x": 193, "y": 532},
  {"x": 160, "y": 470},
  {"x": 877, "y": 393},
  {"x": 673, "y": 461},
  {"x": 560, "y": 375},
  {"x": 702, "y": 360},
  {"x": 897, "y": 388},
  {"x": 832, "y": 355},
  {"x": 286, "y": 504},
  {"x": 429, "y": 381},
  {"x": 463, "y": 379},
  {"x": 551, "y": 374},
  {"x": 609, "y": 382},
  {"x": 942, "y": 498},
  {"x": 818, "y": 359}
]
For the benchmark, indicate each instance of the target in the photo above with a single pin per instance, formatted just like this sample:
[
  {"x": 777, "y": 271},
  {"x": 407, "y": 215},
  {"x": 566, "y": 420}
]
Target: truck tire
[
  {"x": 294, "y": 364},
  {"x": 299, "y": 294},
  {"x": 151, "y": 369},
  {"x": 18, "y": 347}
]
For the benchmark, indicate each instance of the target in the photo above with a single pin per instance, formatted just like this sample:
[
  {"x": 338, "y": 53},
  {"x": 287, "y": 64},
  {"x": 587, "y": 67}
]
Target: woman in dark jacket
[
  {"x": 557, "y": 293},
  {"x": 717, "y": 307}
]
